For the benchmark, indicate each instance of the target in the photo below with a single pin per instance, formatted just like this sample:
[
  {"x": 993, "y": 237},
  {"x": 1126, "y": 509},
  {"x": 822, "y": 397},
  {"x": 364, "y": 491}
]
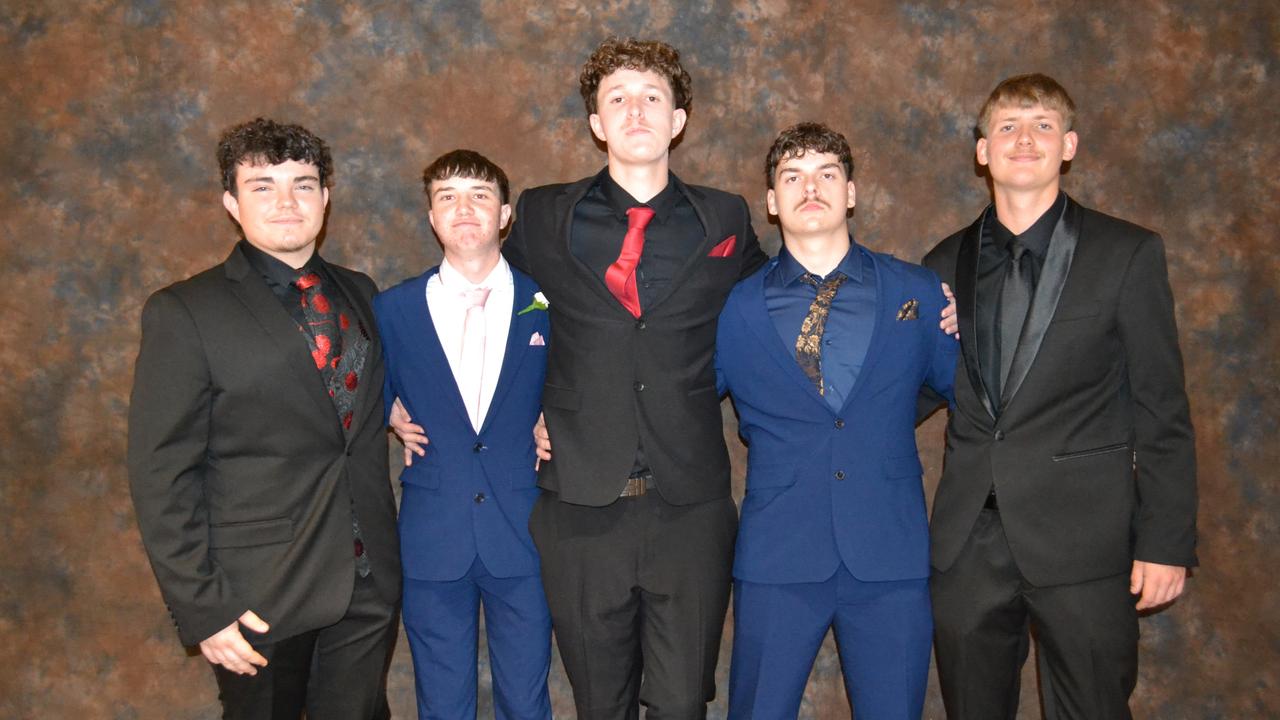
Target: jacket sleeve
[
  {"x": 168, "y": 440},
  {"x": 1164, "y": 444}
]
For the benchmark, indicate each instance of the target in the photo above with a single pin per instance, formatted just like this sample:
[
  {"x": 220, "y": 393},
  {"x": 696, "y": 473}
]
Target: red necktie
[{"x": 621, "y": 275}]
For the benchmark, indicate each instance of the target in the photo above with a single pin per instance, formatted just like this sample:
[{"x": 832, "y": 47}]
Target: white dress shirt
[{"x": 449, "y": 312}]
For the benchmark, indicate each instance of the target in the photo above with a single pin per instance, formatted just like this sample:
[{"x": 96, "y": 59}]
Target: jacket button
[
  {"x": 477, "y": 447},
  {"x": 639, "y": 386},
  {"x": 640, "y": 325},
  {"x": 999, "y": 435},
  {"x": 479, "y": 498},
  {"x": 839, "y": 474},
  {"x": 839, "y": 423}
]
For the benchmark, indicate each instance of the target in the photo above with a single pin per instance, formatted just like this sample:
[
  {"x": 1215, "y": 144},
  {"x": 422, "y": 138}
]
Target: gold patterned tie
[{"x": 809, "y": 342}]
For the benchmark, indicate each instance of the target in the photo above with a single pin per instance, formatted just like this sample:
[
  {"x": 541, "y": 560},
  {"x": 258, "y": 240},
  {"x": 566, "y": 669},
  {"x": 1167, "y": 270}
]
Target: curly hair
[
  {"x": 266, "y": 142},
  {"x": 631, "y": 54},
  {"x": 1027, "y": 91},
  {"x": 804, "y": 137},
  {"x": 467, "y": 164}
]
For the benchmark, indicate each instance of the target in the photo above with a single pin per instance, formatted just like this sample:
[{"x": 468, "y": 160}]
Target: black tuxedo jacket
[
  {"x": 1092, "y": 458},
  {"x": 242, "y": 477},
  {"x": 614, "y": 380}
]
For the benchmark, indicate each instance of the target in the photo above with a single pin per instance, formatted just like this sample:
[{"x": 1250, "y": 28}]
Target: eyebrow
[
  {"x": 272, "y": 181},
  {"x": 792, "y": 168},
  {"x": 454, "y": 188}
]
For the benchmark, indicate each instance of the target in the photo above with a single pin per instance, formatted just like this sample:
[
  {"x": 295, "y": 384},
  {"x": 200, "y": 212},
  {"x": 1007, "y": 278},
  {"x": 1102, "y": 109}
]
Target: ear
[
  {"x": 853, "y": 195},
  {"x": 597, "y": 127},
  {"x": 232, "y": 205},
  {"x": 325, "y": 194},
  {"x": 504, "y": 215},
  {"x": 431, "y": 218},
  {"x": 771, "y": 202},
  {"x": 1070, "y": 142},
  {"x": 678, "y": 119},
  {"x": 981, "y": 151}
]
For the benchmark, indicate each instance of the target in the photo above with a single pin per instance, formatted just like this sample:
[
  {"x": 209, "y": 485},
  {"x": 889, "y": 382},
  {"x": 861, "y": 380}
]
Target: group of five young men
[{"x": 621, "y": 308}]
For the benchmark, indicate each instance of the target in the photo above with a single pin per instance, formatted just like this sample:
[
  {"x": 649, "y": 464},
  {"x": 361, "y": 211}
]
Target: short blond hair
[{"x": 1028, "y": 91}]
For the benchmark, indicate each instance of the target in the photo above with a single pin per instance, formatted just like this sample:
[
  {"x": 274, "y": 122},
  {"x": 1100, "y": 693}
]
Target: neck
[
  {"x": 475, "y": 268},
  {"x": 1019, "y": 209},
  {"x": 819, "y": 254},
  {"x": 294, "y": 259},
  {"x": 642, "y": 182}
]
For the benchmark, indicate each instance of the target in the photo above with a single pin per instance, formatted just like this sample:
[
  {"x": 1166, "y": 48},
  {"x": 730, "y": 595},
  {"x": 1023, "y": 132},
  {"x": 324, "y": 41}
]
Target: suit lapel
[
  {"x": 416, "y": 314},
  {"x": 253, "y": 292},
  {"x": 366, "y": 392},
  {"x": 755, "y": 316},
  {"x": 1053, "y": 278},
  {"x": 883, "y": 310},
  {"x": 710, "y": 232},
  {"x": 565, "y": 204},
  {"x": 518, "y": 335},
  {"x": 966, "y": 293}
]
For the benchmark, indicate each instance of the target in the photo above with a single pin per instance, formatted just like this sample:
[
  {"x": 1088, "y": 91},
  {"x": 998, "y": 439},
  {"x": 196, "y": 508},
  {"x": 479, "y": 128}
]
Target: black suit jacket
[
  {"x": 1092, "y": 458},
  {"x": 613, "y": 379},
  {"x": 242, "y": 477}
]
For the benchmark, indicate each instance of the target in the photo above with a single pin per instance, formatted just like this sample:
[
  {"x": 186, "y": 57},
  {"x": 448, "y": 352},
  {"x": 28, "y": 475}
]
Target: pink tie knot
[{"x": 475, "y": 297}]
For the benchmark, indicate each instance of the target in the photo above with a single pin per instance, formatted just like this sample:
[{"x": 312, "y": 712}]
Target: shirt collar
[
  {"x": 454, "y": 281},
  {"x": 276, "y": 270},
  {"x": 1035, "y": 238},
  {"x": 620, "y": 201},
  {"x": 789, "y": 270}
]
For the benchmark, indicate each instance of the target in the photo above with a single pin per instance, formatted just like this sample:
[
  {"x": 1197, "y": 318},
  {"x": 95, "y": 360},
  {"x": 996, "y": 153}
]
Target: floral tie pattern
[{"x": 809, "y": 342}]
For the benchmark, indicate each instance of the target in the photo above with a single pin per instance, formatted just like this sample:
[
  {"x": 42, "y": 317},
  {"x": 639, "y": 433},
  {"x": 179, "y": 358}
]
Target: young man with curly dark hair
[
  {"x": 257, "y": 452},
  {"x": 635, "y": 524}
]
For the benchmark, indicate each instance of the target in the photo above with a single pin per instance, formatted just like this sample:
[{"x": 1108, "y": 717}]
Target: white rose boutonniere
[{"x": 539, "y": 303}]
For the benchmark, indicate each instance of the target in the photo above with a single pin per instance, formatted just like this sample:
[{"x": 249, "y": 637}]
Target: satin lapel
[
  {"x": 710, "y": 235},
  {"x": 253, "y": 292},
  {"x": 565, "y": 204},
  {"x": 430, "y": 356},
  {"x": 755, "y": 316},
  {"x": 883, "y": 310},
  {"x": 966, "y": 292},
  {"x": 518, "y": 336},
  {"x": 367, "y": 391},
  {"x": 1057, "y": 265}
]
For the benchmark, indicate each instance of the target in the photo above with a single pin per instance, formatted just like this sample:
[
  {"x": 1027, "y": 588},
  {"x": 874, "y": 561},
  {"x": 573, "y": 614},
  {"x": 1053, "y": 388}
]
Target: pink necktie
[
  {"x": 471, "y": 367},
  {"x": 620, "y": 277}
]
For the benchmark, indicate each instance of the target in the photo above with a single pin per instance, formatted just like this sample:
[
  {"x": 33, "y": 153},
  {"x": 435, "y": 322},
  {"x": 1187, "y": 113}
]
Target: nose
[
  {"x": 810, "y": 188},
  {"x": 286, "y": 199},
  {"x": 634, "y": 109},
  {"x": 1024, "y": 136},
  {"x": 464, "y": 206}
]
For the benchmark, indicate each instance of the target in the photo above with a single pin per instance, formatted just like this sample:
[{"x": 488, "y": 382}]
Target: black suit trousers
[
  {"x": 333, "y": 673},
  {"x": 638, "y": 591},
  {"x": 1086, "y": 636}
]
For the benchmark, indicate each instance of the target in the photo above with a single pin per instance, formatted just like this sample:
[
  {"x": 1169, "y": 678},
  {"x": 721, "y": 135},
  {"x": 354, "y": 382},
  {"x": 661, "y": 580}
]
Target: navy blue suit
[
  {"x": 833, "y": 528},
  {"x": 464, "y": 512}
]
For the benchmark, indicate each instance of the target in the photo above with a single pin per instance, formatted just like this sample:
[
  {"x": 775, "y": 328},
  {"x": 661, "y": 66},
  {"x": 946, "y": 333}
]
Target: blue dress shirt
[{"x": 849, "y": 324}]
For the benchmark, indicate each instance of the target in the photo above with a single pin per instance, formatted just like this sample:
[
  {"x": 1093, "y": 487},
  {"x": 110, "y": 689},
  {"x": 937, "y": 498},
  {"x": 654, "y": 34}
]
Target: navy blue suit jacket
[
  {"x": 826, "y": 487},
  {"x": 444, "y": 522}
]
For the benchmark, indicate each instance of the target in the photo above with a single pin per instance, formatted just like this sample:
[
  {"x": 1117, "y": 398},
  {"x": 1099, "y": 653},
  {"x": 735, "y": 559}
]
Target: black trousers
[
  {"x": 1086, "y": 633},
  {"x": 334, "y": 673},
  {"x": 638, "y": 591}
]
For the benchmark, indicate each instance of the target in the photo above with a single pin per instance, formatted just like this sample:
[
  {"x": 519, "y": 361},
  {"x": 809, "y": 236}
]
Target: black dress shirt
[
  {"x": 849, "y": 325},
  {"x": 671, "y": 237},
  {"x": 993, "y": 264}
]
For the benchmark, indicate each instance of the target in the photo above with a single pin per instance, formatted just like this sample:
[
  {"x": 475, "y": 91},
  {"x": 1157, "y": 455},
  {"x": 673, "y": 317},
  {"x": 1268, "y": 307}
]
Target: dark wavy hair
[
  {"x": 266, "y": 142},
  {"x": 467, "y": 164},
  {"x": 631, "y": 54},
  {"x": 1026, "y": 91},
  {"x": 807, "y": 137}
]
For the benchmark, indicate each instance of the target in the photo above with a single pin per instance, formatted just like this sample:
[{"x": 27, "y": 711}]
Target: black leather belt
[{"x": 637, "y": 486}]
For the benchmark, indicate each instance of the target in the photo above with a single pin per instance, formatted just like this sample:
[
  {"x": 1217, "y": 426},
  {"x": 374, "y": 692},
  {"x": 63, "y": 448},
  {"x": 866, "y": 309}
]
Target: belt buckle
[{"x": 636, "y": 486}]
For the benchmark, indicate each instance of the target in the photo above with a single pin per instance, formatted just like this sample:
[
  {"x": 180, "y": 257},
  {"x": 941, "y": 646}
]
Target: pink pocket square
[
  {"x": 724, "y": 248},
  {"x": 536, "y": 339}
]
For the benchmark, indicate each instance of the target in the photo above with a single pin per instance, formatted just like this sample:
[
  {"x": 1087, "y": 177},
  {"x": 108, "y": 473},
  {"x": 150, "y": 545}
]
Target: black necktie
[
  {"x": 809, "y": 341},
  {"x": 1015, "y": 298}
]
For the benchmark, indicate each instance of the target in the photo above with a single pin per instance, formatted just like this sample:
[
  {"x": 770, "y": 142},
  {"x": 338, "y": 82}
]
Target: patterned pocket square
[
  {"x": 724, "y": 248},
  {"x": 536, "y": 339},
  {"x": 909, "y": 310}
]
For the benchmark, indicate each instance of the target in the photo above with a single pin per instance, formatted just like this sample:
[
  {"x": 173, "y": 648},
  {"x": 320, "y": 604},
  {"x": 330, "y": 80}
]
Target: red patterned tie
[{"x": 621, "y": 275}]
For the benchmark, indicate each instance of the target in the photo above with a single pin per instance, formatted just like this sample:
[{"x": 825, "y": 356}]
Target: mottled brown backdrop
[{"x": 109, "y": 113}]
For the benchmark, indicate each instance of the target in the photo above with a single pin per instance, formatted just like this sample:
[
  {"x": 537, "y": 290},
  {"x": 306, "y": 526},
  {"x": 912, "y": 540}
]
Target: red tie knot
[
  {"x": 638, "y": 217},
  {"x": 308, "y": 281}
]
